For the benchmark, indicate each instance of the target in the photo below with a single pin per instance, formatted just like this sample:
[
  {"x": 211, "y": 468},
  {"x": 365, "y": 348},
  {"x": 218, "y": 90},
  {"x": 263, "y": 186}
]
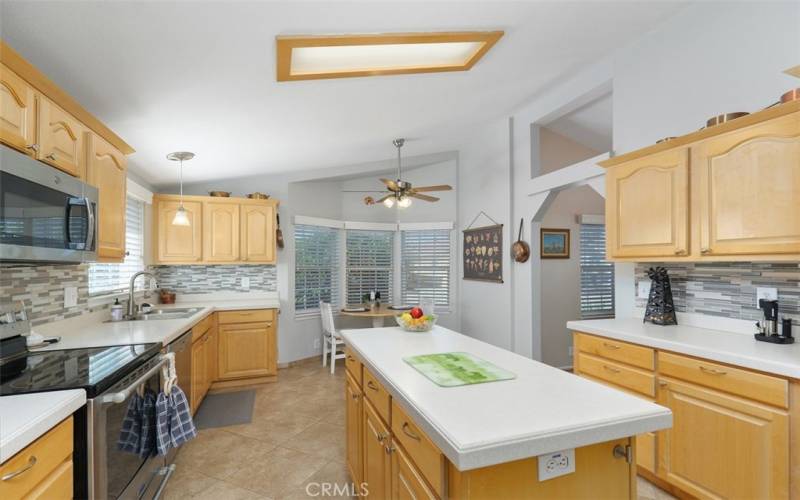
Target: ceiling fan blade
[
  {"x": 373, "y": 191},
  {"x": 392, "y": 185},
  {"x": 426, "y": 189},
  {"x": 423, "y": 197}
]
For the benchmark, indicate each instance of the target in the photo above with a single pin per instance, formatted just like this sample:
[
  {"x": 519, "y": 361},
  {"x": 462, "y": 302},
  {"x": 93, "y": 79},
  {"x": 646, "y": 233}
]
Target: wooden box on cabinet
[
  {"x": 106, "y": 169},
  {"x": 177, "y": 244},
  {"x": 17, "y": 112}
]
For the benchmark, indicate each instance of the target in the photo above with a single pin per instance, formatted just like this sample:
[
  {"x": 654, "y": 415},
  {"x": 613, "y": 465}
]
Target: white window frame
[
  {"x": 319, "y": 222},
  {"x": 586, "y": 222},
  {"x": 351, "y": 228},
  {"x": 451, "y": 270}
]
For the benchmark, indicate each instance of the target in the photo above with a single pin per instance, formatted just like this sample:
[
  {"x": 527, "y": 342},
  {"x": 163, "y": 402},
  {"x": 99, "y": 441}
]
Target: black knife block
[{"x": 660, "y": 306}]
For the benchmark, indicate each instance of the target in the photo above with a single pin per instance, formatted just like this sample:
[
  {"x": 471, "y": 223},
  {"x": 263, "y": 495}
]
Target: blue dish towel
[
  {"x": 174, "y": 420},
  {"x": 147, "y": 441},
  {"x": 131, "y": 432}
]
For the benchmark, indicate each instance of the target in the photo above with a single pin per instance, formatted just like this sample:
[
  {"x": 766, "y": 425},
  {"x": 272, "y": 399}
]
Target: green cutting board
[{"x": 452, "y": 369}]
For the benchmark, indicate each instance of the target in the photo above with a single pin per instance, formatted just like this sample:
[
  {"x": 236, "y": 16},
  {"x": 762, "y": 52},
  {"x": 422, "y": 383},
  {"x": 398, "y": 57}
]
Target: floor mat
[{"x": 226, "y": 408}]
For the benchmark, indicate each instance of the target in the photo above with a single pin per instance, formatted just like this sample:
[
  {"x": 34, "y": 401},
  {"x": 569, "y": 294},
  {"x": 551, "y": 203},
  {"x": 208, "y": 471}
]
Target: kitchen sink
[{"x": 171, "y": 313}]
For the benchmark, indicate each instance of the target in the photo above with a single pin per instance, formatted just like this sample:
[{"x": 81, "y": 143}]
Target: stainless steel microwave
[{"x": 45, "y": 215}]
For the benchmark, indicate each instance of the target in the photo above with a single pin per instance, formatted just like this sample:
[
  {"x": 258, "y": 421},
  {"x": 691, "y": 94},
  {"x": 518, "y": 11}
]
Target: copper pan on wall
[{"x": 790, "y": 96}]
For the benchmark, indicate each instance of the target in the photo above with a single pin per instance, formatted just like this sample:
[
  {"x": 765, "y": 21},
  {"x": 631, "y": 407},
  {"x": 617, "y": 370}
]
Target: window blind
[
  {"x": 369, "y": 264},
  {"x": 597, "y": 275},
  {"x": 316, "y": 267},
  {"x": 114, "y": 278},
  {"x": 425, "y": 266}
]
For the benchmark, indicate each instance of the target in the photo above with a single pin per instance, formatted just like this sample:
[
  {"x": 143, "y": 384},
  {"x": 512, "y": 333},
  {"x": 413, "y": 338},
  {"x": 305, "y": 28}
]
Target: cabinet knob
[
  {"x": 389, "y": 449},
  {"x": 381, "y": 437},
  {"x": 51, "y": 157},
  {"x": 705, "y": 250},
  {"x": 355, "y": 397},
  {"x": 680, "y": 252},
  {"x": 32, "y": 147},
  {"x": 661, "y": 383}
]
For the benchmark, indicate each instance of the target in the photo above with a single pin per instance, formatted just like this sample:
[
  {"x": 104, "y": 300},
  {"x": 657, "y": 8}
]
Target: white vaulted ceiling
[{"x": 200, "y": 76}]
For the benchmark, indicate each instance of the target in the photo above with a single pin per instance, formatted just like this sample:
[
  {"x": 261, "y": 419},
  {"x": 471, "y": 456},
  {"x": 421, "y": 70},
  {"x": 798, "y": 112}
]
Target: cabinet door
[
  {"x": 107, "y": 171},
  {"x": 178, "y": 244},
  {"x": 377, "y": 461},
  {"x": 199, "y": 362},
  {"x": 258, "y": 233},
  {"x": 220, "y": 232},
  {"x": 647, "y": 206},
  {"x": 61, "y": 140},
  {"x": 407, "y": 482},
  {"x": 748, "y": 190},
  {"x": 17, "y": 112},
  {"x": 354, "y": 418},
  {"x": 722, "y": 446},
  {"x": 212, "y": 355},
  {"x": 244, "y": 350}
]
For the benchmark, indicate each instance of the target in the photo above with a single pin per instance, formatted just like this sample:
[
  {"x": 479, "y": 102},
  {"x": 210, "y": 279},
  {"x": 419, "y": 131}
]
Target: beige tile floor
[{"x": 295, "y": 441}]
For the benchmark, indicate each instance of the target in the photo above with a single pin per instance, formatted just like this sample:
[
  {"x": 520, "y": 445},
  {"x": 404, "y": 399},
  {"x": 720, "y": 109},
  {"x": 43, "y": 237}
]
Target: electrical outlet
[
  {"x": 70, "y": 296},
  {"x": 317, "y": 343},
  {"x": 556, "y": 464},
  {"x": 643, "y": 289},
  {"x": 766, "y": 294},
  {"x": 246, "y": 283}
]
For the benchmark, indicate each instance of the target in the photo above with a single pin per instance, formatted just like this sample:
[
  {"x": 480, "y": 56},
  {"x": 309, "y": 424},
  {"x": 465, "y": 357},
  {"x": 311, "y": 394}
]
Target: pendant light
[{"x": 181, "y": 219}]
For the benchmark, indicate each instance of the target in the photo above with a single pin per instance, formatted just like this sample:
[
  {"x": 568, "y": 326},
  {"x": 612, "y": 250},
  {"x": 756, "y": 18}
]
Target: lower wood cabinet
[
  {"x": 200, "y": 380},
  {"x": 407, "y": 482},
  {"x": 245, "y": 350},
  {"x": 43, "y": 469},
  {"x": 377, "y": 448},
  {"x": 354, "y": 415}
]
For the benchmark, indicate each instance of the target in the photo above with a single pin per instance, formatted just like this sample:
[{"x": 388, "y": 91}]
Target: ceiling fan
[{"x": 400, "y": 191}]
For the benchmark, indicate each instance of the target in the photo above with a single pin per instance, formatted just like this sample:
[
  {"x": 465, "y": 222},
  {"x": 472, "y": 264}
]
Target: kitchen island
[{"x": 404, "y": 432}]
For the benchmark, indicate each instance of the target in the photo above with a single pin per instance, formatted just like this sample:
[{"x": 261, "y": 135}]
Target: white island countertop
[
  {"x": 542, "y": 410},
  {"x": 94, "y": 332},
  {"x": 26, "y": 417},
  {"x": 738, "y": 349}
]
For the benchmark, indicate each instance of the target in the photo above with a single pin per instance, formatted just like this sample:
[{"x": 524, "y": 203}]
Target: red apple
[{"x": 416, "y": 312}]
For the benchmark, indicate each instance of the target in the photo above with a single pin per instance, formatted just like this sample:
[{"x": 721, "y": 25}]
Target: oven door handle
[
  {"x": 167, "y": 471},
  {"x": 90, "y": 229},
  {"x": 119, "y": 397}
]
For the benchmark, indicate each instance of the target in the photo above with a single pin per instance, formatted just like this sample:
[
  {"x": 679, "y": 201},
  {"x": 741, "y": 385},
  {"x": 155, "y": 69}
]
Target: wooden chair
[{"x": 331, "y": 340}]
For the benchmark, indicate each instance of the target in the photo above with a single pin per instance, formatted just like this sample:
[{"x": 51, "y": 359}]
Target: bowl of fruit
[{"x": 416, "y": 320}]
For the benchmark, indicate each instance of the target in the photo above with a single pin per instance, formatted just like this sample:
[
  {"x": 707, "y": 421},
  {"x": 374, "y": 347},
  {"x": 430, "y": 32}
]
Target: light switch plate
[
  {"x": 246, "y": 283},
  {"x": 556, "y": 464},
  {"x": 70, "y": 296},
  {"x": 766, "y": 293},
  {"x": 643, "y": 289}
]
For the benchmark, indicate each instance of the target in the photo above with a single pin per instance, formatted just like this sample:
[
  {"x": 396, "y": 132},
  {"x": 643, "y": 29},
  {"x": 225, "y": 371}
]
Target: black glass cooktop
[{"x": 94, "y": 369}]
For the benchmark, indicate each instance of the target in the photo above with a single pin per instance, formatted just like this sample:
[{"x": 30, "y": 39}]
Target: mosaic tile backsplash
[
  {"x": 218, "y": 278},
  {"x": 42, "y": 290},
  {"x": 728, "y": 289}
]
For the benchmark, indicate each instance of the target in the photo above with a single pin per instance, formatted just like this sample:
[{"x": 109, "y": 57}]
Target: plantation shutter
[
  {"x": 597, "y": 275},
  {"x": 316, "y": 267},
  {"x": 115, "y": 278},
  {"x": 369, "y": 264},
  {"x": 425, "y": 266}
]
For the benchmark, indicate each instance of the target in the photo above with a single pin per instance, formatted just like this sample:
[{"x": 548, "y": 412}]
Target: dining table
[{"x": 377, "y": 314}]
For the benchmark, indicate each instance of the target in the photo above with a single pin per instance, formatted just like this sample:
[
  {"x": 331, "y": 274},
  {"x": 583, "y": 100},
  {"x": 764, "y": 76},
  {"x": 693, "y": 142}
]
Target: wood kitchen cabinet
[
  {"x": 17, "y": 112},
  {"x": 721, "y": 446},
  {"x": 258, "y": 234},
  {"x": 220, "y": 232},
  {"x": 247, "y": 344},
  {"x": 748, "y": 190},
  {"x": 200, "y": 380},
  {"x": 725, "y": 193},
  {"x": 647, "y": 206},
  {"x": 106, "y": 169},
  {"x": 354, "y": 415},
  {"x": 376, "y": 457},
  {"x": 61, "y": 139},
  {"x": 407, "y": 482},
  {"x": 177, "y": 244}
]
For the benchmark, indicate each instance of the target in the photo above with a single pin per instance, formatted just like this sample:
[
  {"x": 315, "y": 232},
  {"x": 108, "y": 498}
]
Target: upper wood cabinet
[
  {"x": 106, "y": 169},
  {"x": 177, "y": 244},
  {"x": 17, "y": 112},
  {"x": 220, "y": 232},
  {"x": 231, "y": 230},
  {"x": 647, "y": 206},
  {"x": 748, "y": 190},
  {"x": 258, "y": 233},
  {"x": 730, "y": 192},
  {"x": 61, "y": 139}
]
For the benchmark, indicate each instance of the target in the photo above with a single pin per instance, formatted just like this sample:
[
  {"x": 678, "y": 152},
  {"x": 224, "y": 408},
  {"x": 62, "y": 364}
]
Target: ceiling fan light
[
  {"x": 404, "y": 202},
  {"x": 181, "y": 219},
  {"x": 388, "y": 202}
]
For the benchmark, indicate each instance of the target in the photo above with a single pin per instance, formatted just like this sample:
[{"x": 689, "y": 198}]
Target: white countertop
[
  {"x": 96, "y": 333},
  {"x": 543, "y": 410},
  {"x": 738, "y": 349},
  {"x": 25, "y": 417}
]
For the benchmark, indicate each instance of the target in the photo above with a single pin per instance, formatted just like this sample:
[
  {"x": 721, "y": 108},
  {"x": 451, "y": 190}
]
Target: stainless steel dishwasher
[{"x": 182, "y": 347}]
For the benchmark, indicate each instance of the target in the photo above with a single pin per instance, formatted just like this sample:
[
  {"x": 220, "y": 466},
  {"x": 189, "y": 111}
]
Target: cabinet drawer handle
[
  {"x": 51, "y": 157},
  {"x": 610, "y": 369},
  {"x": 372, "y": 385},
  {"x": 712, "y": 371},
  {"x": 409, "y": 433},
  {"x": 381, "y": 437},
  {"x": 12, "y": 475},
  {"x": 705, "y": 251},
  {"x": 611, "y": 346},
  {"x": 245, "y": 314},
  {"x": 389, "y": 449},
  {"x": 350, "y": 358},
  {"x": 355, "y": 397},
  {"x": 32, "y": 147},
  {"x": 663, "y": 384},
  {"x": 680, "y": 252}
]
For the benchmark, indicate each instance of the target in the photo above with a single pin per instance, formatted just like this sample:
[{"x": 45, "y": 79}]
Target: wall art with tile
[{"x": 218, "y": 278}]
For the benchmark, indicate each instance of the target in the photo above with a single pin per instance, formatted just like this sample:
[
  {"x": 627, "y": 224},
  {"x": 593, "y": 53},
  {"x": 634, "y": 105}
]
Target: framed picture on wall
[
  {"x": 554, "y": 244},
  {"x": 483, "y": 254}
]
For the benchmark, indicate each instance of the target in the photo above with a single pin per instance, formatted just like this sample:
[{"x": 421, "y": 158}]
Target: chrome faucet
[{"x": 131, "y": 301}]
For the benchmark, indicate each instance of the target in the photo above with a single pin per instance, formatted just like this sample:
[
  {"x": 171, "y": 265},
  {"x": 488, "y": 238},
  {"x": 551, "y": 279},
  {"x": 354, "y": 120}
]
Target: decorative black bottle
[{"x": 660, "y": 307}]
